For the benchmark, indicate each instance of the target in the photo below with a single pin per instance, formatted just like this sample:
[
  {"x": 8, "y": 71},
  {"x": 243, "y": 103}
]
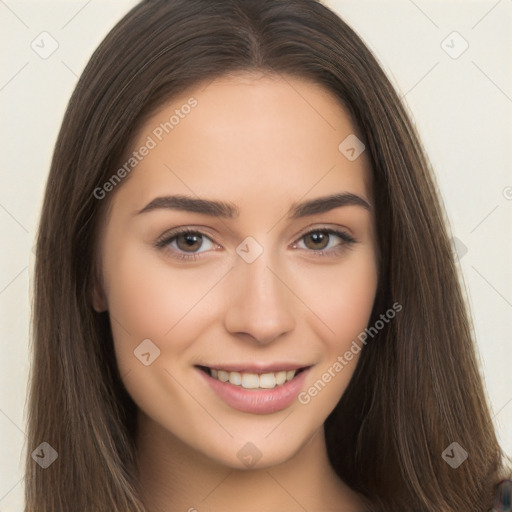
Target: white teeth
[
  {"x": 222, "y": 376},
  {"x": 235, "y": 378},
  {"x": 267, "y": 381},
  {"x": 280, "y": 378},
  {"x": 254, "y": 380},
  {"x": 249, "y": 381}
]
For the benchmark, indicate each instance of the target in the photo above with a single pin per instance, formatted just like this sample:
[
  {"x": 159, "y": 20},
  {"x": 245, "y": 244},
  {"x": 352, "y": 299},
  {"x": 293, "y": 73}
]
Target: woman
[{"x": 245, "y": 294}]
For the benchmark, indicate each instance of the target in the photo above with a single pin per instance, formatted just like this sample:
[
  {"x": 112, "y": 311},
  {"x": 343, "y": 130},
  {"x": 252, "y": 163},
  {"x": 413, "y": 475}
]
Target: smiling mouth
[{"x": 248, "y": 380}]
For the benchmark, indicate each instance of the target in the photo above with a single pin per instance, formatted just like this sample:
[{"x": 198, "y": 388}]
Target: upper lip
[{"x": 256, "y": 367}]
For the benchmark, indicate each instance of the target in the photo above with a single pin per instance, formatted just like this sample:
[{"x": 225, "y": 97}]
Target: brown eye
[
  {"x": 185, "y": 242},
  {"x": 316, "y": 240},
  {"x": 325, "y": 242},
  {"x": 189, "y": 242}
]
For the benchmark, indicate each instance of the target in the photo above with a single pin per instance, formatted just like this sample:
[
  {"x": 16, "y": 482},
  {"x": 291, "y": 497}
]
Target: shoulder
[{"x": 502, "y": 496}]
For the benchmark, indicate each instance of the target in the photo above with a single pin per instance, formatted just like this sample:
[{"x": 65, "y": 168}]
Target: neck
[{"x": 176, "y": 478}]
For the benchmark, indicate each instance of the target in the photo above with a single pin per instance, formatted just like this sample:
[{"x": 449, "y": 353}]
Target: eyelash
[{"x": 166, "y": 239}]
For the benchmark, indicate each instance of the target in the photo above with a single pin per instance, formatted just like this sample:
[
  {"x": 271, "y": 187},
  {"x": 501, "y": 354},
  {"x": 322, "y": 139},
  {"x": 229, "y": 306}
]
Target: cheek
[
  {"x": 342, "y": 299},
  {"x": 341, "y": 296},
  {"x": 148, "y": 299}
]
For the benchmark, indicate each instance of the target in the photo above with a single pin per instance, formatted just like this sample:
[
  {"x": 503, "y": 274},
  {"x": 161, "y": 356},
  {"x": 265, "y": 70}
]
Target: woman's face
[{"x": 277, "y": 273}]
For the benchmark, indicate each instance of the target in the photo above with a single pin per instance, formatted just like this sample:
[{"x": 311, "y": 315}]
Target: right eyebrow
[{"x": 191, "y": 204}]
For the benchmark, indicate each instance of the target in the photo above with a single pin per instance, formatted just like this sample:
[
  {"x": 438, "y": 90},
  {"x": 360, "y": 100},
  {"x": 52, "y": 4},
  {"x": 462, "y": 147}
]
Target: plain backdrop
[{"x": 451, "y": 62}]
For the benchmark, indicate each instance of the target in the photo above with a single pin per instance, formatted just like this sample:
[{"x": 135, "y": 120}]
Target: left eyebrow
[{"x": 327, "y": 203}]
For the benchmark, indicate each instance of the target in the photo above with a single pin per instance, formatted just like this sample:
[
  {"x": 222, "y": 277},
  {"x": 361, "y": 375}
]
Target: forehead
[{"x": 246, "y": 136}]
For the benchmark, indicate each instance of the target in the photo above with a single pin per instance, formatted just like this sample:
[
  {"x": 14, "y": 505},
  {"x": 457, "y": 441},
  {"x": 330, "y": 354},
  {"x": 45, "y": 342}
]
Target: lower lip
[{"x": 257, "y": 401}]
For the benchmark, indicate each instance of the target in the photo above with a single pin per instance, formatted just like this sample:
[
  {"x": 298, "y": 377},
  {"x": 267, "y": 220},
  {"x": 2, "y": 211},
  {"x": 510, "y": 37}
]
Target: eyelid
[
  {"x": 163, "y": 241},
  {"x": 347, "y": 241},
  {"x": 338, "y": 230}
]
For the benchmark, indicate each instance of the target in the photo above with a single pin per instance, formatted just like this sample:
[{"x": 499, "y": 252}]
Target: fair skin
[{"x": 262, "y": 144}]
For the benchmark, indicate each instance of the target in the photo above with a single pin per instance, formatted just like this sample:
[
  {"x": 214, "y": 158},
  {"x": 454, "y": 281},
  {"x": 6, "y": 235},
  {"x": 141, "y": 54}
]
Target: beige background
[{"x": 462, "y": 107}]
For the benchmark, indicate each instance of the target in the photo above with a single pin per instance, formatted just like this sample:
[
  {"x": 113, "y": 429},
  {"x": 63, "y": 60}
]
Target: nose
[{"x": 259, "y": 304}]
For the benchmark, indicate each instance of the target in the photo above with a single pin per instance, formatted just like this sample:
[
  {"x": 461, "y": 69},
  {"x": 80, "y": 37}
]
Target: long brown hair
[{"x": 416, "y": 388}]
